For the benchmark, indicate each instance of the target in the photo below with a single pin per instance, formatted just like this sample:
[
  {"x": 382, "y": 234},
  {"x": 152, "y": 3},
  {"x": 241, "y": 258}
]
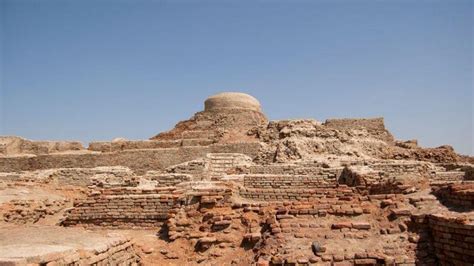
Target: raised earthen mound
[{"x": 227, "y": 117}]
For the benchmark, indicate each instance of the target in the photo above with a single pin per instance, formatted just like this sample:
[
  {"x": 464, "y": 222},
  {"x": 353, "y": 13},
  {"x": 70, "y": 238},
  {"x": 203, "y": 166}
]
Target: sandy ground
[
  {"x": 26, "y": 193},
  {"x": 34, "y": 241}
]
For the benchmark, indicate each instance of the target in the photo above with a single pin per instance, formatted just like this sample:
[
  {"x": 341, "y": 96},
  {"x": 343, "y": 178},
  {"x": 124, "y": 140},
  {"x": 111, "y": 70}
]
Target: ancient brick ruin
[{"x": 229, "y": 187}]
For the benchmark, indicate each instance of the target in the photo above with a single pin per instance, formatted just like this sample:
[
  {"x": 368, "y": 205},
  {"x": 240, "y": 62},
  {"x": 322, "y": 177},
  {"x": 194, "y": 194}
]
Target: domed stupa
[
  {"x": 227, "y": 117},
  {"x": 232, "y": 100}
]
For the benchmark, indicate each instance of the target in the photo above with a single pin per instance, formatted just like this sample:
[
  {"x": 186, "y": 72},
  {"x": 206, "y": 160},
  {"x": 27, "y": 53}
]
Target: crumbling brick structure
[{"x": 229, "y": 187}]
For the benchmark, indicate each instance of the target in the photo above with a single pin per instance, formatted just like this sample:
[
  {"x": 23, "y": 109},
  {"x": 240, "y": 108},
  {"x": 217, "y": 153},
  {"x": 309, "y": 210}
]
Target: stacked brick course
[
  {"x": 394, "y": 167},
  {"x": 460, "y": 195},
  {"x": 220, "y": 163},
  {"x": 451, "y": 238},
  {"x": 341, "y": 192},
  {"x": 110, "y": 146},
  {"x": 139, "y": 160},
  {"x": 288, "y": 181},
  {"x": 292, "y": 169},
  {"x": 124, "y": 207},
  {"x": 447, "y": 176}
]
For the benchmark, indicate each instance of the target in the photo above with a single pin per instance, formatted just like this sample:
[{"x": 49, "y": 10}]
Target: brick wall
[
  {"x": 393, "y": 167},
  {"x": 124, "y": 207},
  {"x": 340, "y": 192},
  {"x": 292, "y": 169},
  {"x": 137, "y": 160},
  {"x": 168, "y": 179},
  {"x": 453, "y": 241},
  {"x": 110, "y": 146},
  {"x": 452, "y": 176},
  {"x": 375, "y": 126},
  {"x": 17, "y": 145},
  {"x": 288, "y": 181},
  {"x": 460, "y": 195},
  {"x": 451, "y": 238}
]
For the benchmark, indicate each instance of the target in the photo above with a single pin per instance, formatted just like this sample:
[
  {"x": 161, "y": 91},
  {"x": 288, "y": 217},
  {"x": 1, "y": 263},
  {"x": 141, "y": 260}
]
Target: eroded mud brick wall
[
  {"x": 340, "y": 192},
  {"x": 124, "y": 207},
  {"x": 398, "y": 168},
  {"x": 291, "y": 183},
  {"x": 17, "y": 145},
  {"x": 292, "y": 178},
  {"x": 137, "y": 160},
  {"x": 375, "y": 126},
  {"x": 110, "y": 146},
  {"x": 168, "y": 180},
  {"x": 315, "y": 170},
  {"x": 457, "y": 195}
]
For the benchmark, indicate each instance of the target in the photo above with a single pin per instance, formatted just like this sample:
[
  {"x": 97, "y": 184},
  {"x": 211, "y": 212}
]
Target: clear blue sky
[{"x": 95, "y": 70}]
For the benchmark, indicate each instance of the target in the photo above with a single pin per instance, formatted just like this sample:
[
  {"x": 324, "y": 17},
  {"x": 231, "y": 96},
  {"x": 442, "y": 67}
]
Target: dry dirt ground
[{"x": 17, "y": 242}]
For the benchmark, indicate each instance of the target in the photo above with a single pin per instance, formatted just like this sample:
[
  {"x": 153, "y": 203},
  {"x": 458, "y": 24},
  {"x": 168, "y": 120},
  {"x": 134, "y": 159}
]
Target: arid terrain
[{"x": 229, "y": 187}]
